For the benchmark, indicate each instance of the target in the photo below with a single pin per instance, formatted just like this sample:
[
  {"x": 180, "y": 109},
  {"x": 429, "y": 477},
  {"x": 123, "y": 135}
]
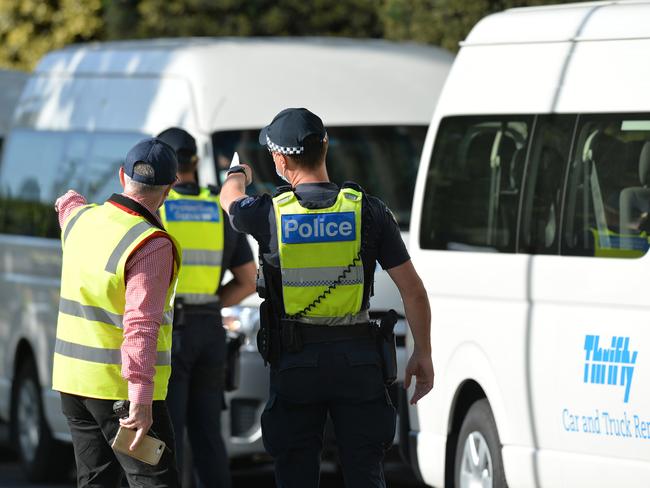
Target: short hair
[
  {"x": 144, "y": 169},
  {"x": 314, "y": 153},
  {"x": 186, "y": 160},
  {"x": 137, "y": 187}
]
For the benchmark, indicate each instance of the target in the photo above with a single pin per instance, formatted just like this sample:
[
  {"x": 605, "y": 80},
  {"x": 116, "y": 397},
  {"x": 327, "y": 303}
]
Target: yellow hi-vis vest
[
  {"x": 196, "y": 221},
  {"x": 613, "y": 245},
  {"x": 97, "y": 240},
  {"x": 316, "y": 246}
]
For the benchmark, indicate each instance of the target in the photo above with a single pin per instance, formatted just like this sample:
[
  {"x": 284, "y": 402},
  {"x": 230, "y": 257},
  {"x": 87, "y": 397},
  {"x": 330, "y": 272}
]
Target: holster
[
  {"x": 268, "y": 337},
  {"x": 233, "y": 368},
  {"x": 387, "y": 346}
]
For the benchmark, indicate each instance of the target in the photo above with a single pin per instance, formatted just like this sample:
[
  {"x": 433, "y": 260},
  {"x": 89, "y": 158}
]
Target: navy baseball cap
[
  {"x": 160, "y": 155},
  {"x": 288, "y": 130},
  {"x": 181, "y": 141}
]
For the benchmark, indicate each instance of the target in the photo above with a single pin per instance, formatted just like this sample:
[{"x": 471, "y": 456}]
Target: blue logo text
[
  {"x": 613, "y": 366},
  {"x": 191, "y": 211}
]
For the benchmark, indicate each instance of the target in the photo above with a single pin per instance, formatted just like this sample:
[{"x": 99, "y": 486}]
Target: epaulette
[
  {"x": 353, "y": 185},
  {"x": 214, "y": 189}
]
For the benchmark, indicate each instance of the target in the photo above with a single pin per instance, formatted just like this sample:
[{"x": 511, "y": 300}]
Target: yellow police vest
[
  {"x": 316, "y": 246},
  {"x": 97, "y": 241},
  {"x": 614, "y": 245},
  {"x": 196, "y": 221}
]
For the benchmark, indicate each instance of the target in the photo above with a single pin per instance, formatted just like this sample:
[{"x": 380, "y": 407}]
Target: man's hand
[
  {"x": 249, "y": 173},
  {"x": 420, "y": 366},
  {"x": 234, "y": 187},
  {"x": 140, "y": 418}
]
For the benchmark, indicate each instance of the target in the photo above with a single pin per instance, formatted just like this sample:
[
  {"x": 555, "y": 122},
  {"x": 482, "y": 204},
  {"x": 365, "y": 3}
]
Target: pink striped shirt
[{"x": 148, "y": 274}]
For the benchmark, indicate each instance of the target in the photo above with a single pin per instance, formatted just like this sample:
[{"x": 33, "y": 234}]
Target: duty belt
[
  {"x": 295, "y": 336},
  {"x": 197, "y": 298},
  {"x": 326, "y": 334}
]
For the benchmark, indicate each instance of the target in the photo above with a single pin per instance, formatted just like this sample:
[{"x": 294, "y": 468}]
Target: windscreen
[
  {"x": 382, "y": 159},
  {"x": 39, "y": 166}
]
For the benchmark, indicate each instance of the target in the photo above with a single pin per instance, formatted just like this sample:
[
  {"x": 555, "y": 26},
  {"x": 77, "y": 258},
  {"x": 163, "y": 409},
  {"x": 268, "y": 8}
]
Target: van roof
[
  {"x": 241, "y": 83},
  {"x": 585, "y": 21}
]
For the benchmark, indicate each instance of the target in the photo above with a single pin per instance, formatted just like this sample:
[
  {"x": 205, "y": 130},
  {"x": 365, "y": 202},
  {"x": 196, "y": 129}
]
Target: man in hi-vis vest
[
  {"x": 210, "y": 246},
  {"x": 114, "y": 331},
  {"x": 319, "y": 246}
]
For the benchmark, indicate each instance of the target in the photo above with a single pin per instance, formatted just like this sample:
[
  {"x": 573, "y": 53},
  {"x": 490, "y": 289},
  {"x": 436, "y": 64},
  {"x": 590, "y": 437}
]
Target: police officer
[
  {"x": 209, "y": 245},
  {"x": 319, "y": 244}
]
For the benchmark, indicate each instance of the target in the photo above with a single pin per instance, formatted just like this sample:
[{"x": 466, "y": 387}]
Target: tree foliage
[
  {"x": 172, "y": 18},
  {"x": 30, "y": 28}
]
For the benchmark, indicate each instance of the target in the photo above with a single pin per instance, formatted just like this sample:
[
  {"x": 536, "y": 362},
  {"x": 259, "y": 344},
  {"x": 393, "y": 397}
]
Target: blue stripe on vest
[
  {"x": 321, "y": 227},
  {"x": 191, "y": 211}
]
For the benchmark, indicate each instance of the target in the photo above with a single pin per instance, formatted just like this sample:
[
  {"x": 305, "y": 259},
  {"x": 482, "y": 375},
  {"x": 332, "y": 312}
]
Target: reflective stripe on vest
[
  {"x": 87, "y": 358},
  {"x": 615, "y": 245},
  {"x": 96, "y": 314},
  {"x": 317, "y": 247},
  {"x": 196, "y": 221}
]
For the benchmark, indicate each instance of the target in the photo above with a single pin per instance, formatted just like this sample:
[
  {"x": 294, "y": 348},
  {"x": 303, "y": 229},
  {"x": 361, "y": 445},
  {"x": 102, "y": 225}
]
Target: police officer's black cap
[
  {"x": 289, "y": 129},
  {"x": 156, "y": 153},
  {"x": 181, "y": 141}
]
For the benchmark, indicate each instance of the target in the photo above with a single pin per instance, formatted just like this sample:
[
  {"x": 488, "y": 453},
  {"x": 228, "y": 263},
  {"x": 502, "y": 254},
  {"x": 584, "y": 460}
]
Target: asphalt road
[{"x": 251, "y": 476}]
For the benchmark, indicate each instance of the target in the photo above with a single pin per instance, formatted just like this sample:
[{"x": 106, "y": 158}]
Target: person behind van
[
  {"x": 210, "y": 246},
  {"x": 113, "y": 337},
  {"x": 319, "y": 245}
]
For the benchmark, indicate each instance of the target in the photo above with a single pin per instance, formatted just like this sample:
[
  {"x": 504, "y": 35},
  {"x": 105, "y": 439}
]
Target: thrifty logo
[
  {"x": 323, "y": 227},
  {"x": 191, "y": 211},
  {"x": 613, "y": 366}
]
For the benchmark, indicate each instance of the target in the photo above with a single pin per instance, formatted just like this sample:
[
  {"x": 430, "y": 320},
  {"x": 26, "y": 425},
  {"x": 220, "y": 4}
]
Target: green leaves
[{"x": 30, "y": 28}]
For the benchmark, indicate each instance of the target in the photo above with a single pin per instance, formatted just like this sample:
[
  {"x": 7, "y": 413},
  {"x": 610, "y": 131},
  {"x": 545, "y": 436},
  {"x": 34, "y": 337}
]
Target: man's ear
[
  {"x": 283, "y": 161},
  {"x": 121, "y": 174}
]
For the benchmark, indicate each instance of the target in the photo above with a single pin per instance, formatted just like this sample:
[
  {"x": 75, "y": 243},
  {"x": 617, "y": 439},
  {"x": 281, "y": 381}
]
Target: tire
[
  {"x": 42, "y": 457},
  {"x": 478, "y": 450}
]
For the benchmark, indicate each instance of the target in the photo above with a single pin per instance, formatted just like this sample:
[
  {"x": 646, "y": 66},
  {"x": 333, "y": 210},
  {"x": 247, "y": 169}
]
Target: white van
[
  {"x": 530, "y": 228},
  {"x": 86, "y": 105},
  {"x": 11, "y": 85}
]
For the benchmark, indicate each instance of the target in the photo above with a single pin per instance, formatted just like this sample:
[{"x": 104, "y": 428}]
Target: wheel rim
[
  {"x": 28, "y": 420},
  {"x": 476, "y": 464}
]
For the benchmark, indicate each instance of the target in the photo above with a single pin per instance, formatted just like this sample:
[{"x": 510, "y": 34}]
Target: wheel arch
[
  {"x": 471, "y": 378},
  {"x": 24, "y": 352},
  {"x": 468, "y": 392}
]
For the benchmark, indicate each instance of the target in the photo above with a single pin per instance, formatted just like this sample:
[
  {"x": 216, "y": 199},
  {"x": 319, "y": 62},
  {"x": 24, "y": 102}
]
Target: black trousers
[
  {"x": 93, "y": 427},
  {"x": 340, "y": 378},
  {"x": 195, "y": 398}
]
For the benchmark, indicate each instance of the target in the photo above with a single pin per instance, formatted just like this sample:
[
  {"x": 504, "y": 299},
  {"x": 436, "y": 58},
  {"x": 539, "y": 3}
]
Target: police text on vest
[{"x": 322, "y": 227}]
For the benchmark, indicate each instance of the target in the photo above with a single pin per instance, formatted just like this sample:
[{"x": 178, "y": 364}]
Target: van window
[
  {"x": 473, "y": 184},
  {"x": 544, "y": 186},
  {"x": 382, "y": 159},
  {"x": 608, "y": 199},
  {"x": 39, "y": 166}
]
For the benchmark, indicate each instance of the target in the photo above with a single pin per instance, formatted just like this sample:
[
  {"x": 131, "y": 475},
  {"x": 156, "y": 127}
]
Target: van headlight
[{"x": 242, "y": 320}]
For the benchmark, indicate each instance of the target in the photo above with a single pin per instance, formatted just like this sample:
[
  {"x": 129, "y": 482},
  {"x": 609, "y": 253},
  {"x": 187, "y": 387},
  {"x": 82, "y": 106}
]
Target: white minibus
[
  {"x": 85, "y": 106},
  {"x": 530, "y": 227},
  {"x": 11, "y": 85}
]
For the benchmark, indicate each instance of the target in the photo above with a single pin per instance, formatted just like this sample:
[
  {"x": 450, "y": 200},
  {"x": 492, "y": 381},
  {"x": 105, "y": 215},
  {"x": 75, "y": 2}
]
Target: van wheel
[
  {"x": 42, "y": 457},
  {"x": 478, "y": 462}
]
